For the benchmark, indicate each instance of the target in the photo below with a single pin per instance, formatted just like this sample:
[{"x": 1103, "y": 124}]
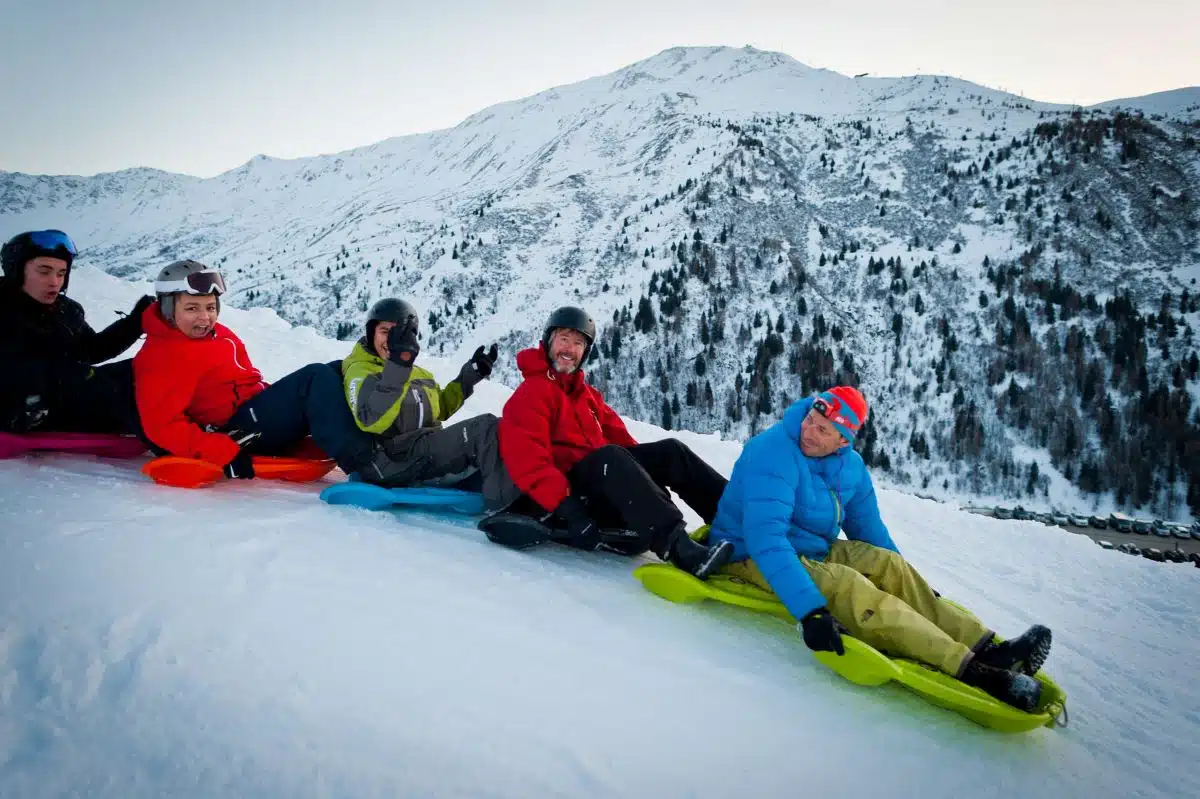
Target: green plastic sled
[{"x": 863, "y": 664}]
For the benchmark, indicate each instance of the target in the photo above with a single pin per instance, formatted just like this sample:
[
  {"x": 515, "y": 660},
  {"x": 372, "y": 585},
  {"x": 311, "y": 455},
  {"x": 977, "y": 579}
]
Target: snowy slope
[{"x": 248, "y": 640}]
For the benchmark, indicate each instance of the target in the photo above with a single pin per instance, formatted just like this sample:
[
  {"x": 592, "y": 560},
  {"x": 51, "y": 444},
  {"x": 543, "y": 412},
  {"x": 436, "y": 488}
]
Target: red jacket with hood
[
  {"x": 185, "y": 383},
  {"x": 549, "y": 423}
]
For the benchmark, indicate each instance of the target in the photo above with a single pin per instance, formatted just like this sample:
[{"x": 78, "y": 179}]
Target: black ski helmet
[
  {"x": 24, "y": 247},
  {"x": 571, "y": 318},
  {"x": 390, "y": 309}
]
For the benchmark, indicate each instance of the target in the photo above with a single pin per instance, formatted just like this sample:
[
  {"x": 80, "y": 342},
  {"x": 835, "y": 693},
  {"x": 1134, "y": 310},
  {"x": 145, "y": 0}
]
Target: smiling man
[
  {"x": 800, "y": 483},
  {"x": 571, "y": 454},
  {"x": 47, "y": 348}
]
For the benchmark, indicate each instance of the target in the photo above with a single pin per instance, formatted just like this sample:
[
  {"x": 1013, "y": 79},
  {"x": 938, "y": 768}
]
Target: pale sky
[{"x": 200, "y": 87}]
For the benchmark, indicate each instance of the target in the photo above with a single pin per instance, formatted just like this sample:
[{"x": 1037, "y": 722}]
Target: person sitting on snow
[
  {"x": 794, "y": 487},
  {"x": 200, "y": 396},
  {"x": 47, "y": 348},
  {"x": 395, "y": 399},
  {"x": 572, "y": 455}
]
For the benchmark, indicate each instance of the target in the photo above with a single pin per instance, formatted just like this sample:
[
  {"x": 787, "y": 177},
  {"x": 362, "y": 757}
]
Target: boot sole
[{"x": 1037, "y": 656}]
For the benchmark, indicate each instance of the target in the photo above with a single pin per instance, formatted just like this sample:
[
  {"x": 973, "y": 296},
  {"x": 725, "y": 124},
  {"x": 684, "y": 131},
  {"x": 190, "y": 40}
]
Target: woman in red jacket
[
  {"x": 199, "y": 395},
  {"x": 570, "y": 452}
]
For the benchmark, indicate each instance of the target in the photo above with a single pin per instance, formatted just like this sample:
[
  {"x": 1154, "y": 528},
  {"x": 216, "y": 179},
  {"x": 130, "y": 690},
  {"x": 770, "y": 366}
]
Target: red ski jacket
[
  {"x": 549, "y": 423},
  {"x": 183, "y": 383}
]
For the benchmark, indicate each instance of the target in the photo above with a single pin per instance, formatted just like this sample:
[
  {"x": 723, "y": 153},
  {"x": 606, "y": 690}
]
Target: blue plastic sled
[{"x": 373, "y": 497}]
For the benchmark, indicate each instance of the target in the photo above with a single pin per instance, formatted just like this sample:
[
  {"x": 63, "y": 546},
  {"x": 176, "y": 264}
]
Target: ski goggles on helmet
[
  {"x": 207, "y": 282},
  {"x": 52, "y": 241},
  {"x": 831, "y": 409}
]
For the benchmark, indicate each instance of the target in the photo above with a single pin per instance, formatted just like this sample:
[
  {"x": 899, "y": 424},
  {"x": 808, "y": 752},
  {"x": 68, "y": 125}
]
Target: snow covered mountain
[
  {"x": 249, "y": 640},
  {"x": 747, "y": 229}
]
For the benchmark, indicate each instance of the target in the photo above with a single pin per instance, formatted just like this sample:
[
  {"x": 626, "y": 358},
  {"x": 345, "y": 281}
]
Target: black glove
[
  {"x": 483, "y": 361},
  {"x": 403, "y": 341},
  {"x": 242, "y": 465},
  {"x": 141, "y": 305},
  {"x": 822, "y": 633},
  {"x": 584, "y": 532}
]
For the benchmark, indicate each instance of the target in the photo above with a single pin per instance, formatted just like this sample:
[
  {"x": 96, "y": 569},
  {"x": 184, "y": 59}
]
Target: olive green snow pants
[{"x": 883, "y": 601}]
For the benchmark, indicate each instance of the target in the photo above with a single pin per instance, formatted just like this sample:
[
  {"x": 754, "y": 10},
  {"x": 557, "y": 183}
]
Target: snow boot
[
  {"x": 696, "y": 559},
  {"x": 1025, "y": 654},
  {"x": 1010, "y": 687}
]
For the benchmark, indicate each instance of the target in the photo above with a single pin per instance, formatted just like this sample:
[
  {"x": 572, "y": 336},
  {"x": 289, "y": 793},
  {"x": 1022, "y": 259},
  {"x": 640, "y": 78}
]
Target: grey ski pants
[{"x": 446, "y": 456}]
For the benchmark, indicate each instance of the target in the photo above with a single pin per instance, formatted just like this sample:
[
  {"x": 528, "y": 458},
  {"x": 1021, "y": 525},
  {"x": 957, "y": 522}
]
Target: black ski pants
[
  {"x": 72, "y": 397},
  {"x": 627, "y": 487}
]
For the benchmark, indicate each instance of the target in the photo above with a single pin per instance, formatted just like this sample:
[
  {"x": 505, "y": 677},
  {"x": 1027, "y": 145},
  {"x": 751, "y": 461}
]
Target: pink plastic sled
[{"x": 106, "y": 445}]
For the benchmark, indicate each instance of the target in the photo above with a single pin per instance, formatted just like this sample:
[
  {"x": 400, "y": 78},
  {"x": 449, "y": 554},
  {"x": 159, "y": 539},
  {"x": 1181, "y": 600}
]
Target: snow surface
[{"x": 248, "y": 640}]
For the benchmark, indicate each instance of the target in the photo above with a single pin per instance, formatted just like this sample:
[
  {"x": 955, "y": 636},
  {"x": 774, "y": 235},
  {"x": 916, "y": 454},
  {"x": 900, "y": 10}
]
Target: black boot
[
  {"x": 695, "y": 559},
  {"x": 1025, "y": 654},
  {"x": 1010, "y": 687}
]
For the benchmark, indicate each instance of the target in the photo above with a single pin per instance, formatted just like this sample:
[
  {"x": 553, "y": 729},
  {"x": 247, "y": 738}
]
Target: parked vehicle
[
  {"x": 1021, "y": 513},
  {"x": 1078, "y": 521},
  {"x": 1152, "y": 553},
  {"x": 1099, "y": 522},
  {"x": 1062, "y": 519},
  {"x": 1002, "y": 513},
  {"x": 1105, "y": 544},
  {"x": 1181, "y": 531},
  {"x": 1194, "y": 557},
  {"x": 1130, "y": 549},
  {"x": 1196, "y": 532},
  {"x": 1175, "y": 556},
  {"x": 1162, "y": 532},
  {"x": 1142, "y": 526},
  {"x": 1122, "y": 524}
]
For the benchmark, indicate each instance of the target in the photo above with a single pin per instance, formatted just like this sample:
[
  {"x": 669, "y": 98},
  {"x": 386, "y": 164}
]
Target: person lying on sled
[
  {"x": 200, "y": 396},
  {"x": 571, "y": 454},
  {"x": 47, "y": 348},
  {"x": 391, "y": 397},
  {"x": 795, "y": 486}
]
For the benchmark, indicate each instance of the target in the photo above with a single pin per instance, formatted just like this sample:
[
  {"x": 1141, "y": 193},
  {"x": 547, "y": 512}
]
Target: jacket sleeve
[
  {"x": 375, "y": 397},
  {"x": 451, "y": 398},
  {"x": 862, "y": 521},
  {"x": 164, "y": 391},
  {"x": 769, "y": 498},
  {"x": 611, "y": 425},
  {"x": 525, "y": 447},
  {"x": 110, "y": 342}
]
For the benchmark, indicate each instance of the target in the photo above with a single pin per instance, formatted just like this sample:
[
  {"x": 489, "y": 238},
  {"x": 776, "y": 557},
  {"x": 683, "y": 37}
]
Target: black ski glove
[
  {"x": 142, "y": 304},
  {"x": 584, "y": 532},
  {"x": 403, "y": 341},
  {"x": 822, "y": 633},
  {"x": 483, "y": 361},
  {"x": 242, "y": 465}
]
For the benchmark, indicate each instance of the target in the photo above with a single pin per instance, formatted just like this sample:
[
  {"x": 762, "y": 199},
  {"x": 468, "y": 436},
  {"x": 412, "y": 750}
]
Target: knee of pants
[
  {"x": 484, "y": 422},
  {"x": 611, "y": 453}
]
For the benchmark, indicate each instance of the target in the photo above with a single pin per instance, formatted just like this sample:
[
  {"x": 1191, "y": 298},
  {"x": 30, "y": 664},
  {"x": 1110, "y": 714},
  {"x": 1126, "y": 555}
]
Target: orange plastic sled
[{"x": 173, "y": 470}]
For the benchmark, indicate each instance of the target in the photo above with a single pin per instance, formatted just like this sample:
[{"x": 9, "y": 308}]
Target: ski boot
[
  {"x": 1025, "y": 654},
  {"x": 699, "y": 560},
  {"x": 1010, "y": 687}
]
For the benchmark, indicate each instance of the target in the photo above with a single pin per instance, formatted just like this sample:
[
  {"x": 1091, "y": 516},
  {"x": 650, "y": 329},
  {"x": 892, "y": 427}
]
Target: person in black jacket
[{"x": 48, "y": 350}]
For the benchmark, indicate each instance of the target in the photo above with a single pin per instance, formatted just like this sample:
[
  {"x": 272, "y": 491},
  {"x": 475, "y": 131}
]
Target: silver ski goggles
[{"x": 207, "y": 282}]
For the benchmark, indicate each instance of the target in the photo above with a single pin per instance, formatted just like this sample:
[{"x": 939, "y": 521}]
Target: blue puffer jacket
[{"x": 780, "y": 503}]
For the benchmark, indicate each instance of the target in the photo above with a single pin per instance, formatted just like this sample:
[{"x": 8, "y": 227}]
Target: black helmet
[
  {"x": 571, "y": 318},
  {"x": 24, "y": 247},
  {"x": 390, "y": 309}
]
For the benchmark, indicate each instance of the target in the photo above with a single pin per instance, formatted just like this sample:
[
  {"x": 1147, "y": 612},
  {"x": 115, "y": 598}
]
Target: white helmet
[{"x": 186, "y": 277}]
